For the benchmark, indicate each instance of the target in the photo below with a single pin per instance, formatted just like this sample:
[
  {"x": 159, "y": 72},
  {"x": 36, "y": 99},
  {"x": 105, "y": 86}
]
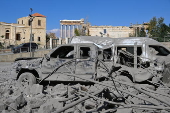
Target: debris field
[{"x": 112, "y": 94}]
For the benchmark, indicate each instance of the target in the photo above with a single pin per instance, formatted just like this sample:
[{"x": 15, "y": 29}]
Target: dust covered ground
[{"x": 108, "y": 96}]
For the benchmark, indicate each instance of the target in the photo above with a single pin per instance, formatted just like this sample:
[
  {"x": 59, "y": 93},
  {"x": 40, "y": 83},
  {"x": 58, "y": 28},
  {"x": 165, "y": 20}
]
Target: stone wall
[{"x": 12, "y": 57}]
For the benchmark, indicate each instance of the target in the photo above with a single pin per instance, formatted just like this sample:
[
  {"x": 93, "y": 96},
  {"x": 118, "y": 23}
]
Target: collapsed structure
[{"x": 95, "y": 74}]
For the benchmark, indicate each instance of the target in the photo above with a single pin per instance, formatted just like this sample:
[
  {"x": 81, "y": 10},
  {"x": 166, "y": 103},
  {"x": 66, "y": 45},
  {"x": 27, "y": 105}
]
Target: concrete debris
[{"x": 74, "y": 79}]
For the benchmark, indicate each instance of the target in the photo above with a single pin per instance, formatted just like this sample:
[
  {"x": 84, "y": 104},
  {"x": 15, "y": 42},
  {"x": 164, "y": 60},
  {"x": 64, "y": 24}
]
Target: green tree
[
  {"x": 157, "y": 28},
  {"x": 152, "y": 28},
  {"x": 142, "y": 33},
  {"x": 47, "y": 37},
  {"x": 77, "y": 32}
]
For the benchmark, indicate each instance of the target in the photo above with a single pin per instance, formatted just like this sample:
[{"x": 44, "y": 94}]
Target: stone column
[
  {"x": 73, "y": 30},
  {"x": 65, "y": 31},
  {"x": 66, "y": 39},
  {"x": 69, "y": 31},
  {"x": 61, "y": 34},
  {"x": 51, "y": 46},
  {"x": 60, "y": 41}
]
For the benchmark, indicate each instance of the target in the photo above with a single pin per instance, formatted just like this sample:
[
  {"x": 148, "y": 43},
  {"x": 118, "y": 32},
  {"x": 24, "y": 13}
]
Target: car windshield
[{"x": 159, "y": 50}]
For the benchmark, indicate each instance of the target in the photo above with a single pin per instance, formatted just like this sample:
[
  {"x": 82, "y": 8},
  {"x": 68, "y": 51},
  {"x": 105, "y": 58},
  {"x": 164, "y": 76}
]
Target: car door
[
  {"x": 58, "y": 58},
  {"x": 85, "y": 62},
  {"x": 25, "y": 47}
]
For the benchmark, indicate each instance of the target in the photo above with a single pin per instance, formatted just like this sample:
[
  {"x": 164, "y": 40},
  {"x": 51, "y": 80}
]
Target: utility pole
[{"x": 30, "y": 20}]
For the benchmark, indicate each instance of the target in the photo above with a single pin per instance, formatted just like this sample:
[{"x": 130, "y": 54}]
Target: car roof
[{"x": 109, "y": 42}]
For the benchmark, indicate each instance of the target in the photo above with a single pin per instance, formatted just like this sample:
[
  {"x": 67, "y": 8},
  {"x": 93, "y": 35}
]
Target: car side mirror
[{"x": 47, "y": 57}]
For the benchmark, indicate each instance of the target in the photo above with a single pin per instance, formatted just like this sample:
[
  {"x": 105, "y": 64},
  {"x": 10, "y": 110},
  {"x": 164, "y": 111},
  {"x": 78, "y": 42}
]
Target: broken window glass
[
  {"x": 159, "y": 50},
  {"x": 64, "y": 52}
]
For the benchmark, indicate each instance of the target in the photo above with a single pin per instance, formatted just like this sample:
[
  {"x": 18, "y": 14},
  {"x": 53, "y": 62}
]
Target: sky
[{"x": 97, "y": 12}]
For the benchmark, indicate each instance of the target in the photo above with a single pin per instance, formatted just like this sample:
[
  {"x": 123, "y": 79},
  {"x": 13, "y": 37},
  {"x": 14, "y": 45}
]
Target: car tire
[{"x": 26, "y": 80}]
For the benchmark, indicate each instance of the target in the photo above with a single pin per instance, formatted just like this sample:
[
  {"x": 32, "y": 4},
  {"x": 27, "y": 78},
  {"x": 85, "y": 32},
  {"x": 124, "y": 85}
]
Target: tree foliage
[
  {"x": 157, "y": 28},
  {"x": 47, "y": 37},
  {"x": 77, "y": 32},
  {"x": 142, "y": 32}
]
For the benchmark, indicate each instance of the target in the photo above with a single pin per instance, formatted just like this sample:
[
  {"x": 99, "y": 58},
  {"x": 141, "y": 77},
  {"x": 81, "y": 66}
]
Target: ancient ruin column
[
  {"x": 69, "y": 31},
  {"x": 61, "y": 34},
  {"x": 51, "y": 43},
  {"x": 73, "y": 30},
  {"x": 65, "y": 31}
]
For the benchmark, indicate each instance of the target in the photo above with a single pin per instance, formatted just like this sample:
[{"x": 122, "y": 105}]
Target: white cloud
[{"x": 56, "y": 31}]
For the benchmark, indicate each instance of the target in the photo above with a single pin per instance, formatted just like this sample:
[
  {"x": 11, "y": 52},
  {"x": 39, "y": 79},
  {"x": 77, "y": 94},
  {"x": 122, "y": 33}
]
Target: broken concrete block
[
  {"x": 35, "y": 102},
  {"x": 46, "y": 109},
  {"x": 60, "y": 89},
  {"x": 12, "y": 106},
  {"x": 2, "y": 107},
  {"x": 124, "y": 110},
  {"x": 5, "y": 111},
  {"x": 19, "y": 100},
  {"x": 36, "y": 89}
]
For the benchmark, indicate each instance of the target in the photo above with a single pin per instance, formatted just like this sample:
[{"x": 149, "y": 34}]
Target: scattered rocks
[{"x": 114, "y": 97}]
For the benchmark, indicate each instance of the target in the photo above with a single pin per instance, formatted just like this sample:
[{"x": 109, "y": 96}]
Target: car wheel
[{"x": 25, "y": 80}]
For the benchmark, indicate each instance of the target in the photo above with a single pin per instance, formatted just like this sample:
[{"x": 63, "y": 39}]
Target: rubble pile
[{"x": 115, "y": 94}]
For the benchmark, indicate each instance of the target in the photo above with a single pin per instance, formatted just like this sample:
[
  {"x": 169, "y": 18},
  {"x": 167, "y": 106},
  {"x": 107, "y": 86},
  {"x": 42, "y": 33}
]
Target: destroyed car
[
  {"x": 79, "y": 59},
  {"x": 141, "y": 57}
]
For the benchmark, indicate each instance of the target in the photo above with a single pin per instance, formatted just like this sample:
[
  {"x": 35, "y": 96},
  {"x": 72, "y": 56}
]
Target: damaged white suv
[
  {"x": 139, "y": 58},
  {"x": 142, "y": 58}
]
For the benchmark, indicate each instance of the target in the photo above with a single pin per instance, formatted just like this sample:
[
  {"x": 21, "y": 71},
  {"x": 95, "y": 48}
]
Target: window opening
[
  {"x": 39, "y": 39},
  {"x": 18, "y": 37},
  {"x": 84, "y": 52},
  {"x": 158, "y": 50},
  {"x": 39, "y": 22},
  {"x": 66, "y": 52},
  {"x": 6, "y": 35},
  {"x": 29, "y": 23},
  {"x": 104, "y": 30},
  {"x": 107, "y": 53},
  {"x": 130, "y": 49}
]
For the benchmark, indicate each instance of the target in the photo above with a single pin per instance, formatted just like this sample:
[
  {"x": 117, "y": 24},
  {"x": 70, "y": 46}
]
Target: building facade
[
  {"x": 17, "y": 33},
  {"x": 116, "y": 31},
  {"x": 110, "y": 31}
]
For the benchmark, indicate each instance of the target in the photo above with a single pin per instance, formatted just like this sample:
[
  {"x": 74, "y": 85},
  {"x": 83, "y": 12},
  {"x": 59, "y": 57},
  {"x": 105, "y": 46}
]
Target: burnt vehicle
[
  {"x": 142, "y": 58},
  {"x": 25, "y": 47},
  {"x": 79, "y": 59},
  {"x": 126, "y": 74}
]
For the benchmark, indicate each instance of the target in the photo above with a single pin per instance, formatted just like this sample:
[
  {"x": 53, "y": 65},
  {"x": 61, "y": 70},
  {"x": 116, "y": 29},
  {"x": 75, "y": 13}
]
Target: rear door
[
  {"x": 58, "y": 58},
  {"x": 85, "y": 63}
]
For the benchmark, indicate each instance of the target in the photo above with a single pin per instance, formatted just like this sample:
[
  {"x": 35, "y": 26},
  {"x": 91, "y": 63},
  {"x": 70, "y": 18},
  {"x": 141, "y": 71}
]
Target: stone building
[
  {"x": 110, "y": 31},
  {"x": 17, "y": 33},
  {"x": 116, "y": 31}
]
